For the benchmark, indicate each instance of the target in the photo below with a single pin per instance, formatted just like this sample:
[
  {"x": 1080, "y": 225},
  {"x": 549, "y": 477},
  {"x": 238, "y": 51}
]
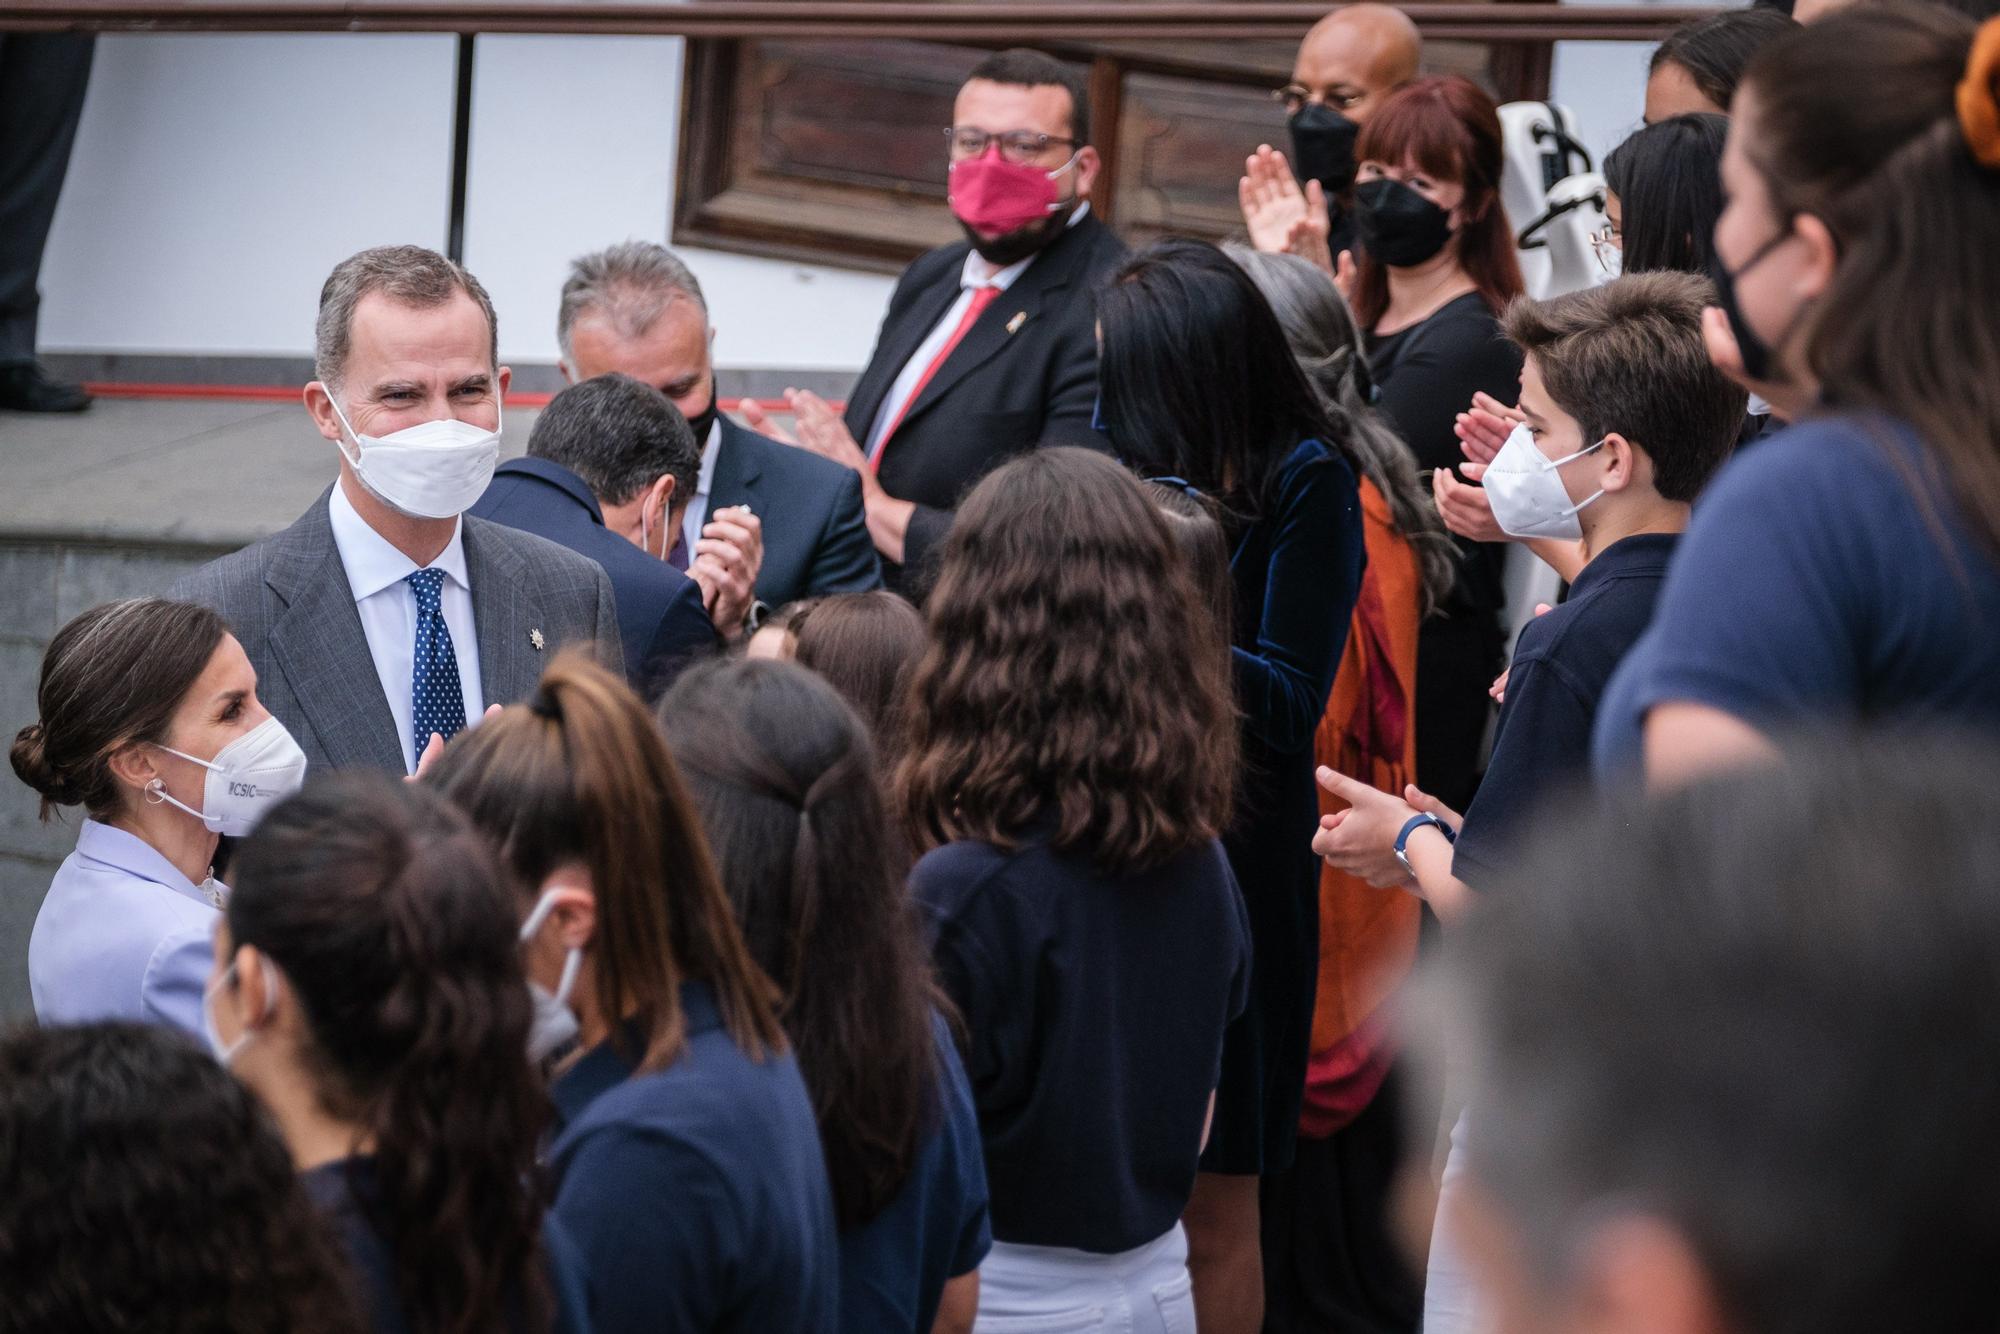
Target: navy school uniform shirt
[
  {"x": 1829, "y": 577},
  {"x": 893, "y": 1268},
  {"x": 346, "y": 1194},
  {"x": 1093, "y": 1009},
  {"x": 1562, "y": 663},
  {"x": 697, "y": 1195}
]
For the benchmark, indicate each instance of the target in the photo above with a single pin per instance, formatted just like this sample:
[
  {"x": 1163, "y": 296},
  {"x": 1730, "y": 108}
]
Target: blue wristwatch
[{"x": 1411, "y": 826}]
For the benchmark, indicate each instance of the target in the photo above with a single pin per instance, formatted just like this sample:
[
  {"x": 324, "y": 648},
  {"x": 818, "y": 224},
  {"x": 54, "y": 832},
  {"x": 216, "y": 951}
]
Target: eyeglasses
[
  {"x": 1023, "y": 148},
  {"x": 1294, "y": 96},
  {"x": 1605, "y": 242}
]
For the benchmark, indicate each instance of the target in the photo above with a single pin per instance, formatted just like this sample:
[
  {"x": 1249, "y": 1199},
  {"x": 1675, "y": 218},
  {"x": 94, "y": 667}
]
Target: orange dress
[{"x": 1367, "y": 936}]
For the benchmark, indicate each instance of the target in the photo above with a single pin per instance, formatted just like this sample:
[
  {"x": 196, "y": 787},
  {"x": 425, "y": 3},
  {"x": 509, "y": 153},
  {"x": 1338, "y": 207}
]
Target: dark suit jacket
[
  {"x": 660, "y": 616},
  {"x": 815, "y": 530},
  {"x": 288, "y": 601},
  {"x": 1025, "y": 375}
]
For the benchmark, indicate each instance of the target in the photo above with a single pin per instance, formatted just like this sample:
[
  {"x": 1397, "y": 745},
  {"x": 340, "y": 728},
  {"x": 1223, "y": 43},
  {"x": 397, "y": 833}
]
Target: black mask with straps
[
  {"x": 1323, "y": 147},
  {"x": 1398, "y": 226}
]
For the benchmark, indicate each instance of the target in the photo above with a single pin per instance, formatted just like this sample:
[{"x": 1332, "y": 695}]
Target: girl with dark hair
[
  {"x": 1698, "y": 66},
  {"x": 368, "y": 988},
  {"x": 866, "y": 644},
  {"x": 687, "y": 1158},
  {"x": 150, "y": 722},
  {"x": 1849, "y": 567},
  {"x": 1198, "y": 380},
  {"x": 1664, "y": 193},
  {"x": 785, "y": 778},
  {"x": 141, "y": 1188},
  {"x": 1071, "y": 755},
  {"x": 1428, "y": 292}
]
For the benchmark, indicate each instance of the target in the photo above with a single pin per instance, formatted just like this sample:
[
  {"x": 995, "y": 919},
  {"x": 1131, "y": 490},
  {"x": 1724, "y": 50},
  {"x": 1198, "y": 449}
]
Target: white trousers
[
  {"x": 1451, "y": 1303},
  {"x": 1050, "y": 1290}
]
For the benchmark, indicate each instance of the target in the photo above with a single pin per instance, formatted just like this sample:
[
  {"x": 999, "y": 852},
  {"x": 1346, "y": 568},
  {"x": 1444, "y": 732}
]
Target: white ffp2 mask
[
  {"x": 1527, "y": 493},
  {"x": 555, "y": 1025},
  {"x": 433, "y": 470},
  {"x": 246, "y": 778}
]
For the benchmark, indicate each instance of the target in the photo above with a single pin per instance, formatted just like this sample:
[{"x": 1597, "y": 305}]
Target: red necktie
[{"x": 982, "y": 297}]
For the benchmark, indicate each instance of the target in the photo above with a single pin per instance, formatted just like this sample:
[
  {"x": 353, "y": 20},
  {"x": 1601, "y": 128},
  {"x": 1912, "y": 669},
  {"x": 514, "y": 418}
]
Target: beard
[{"x": 1017, "y": 245}]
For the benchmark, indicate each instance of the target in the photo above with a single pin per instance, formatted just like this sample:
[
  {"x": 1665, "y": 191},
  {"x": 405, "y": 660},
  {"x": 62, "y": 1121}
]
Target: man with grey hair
[
  {"x": 382, "y": 621},
  {"x": 635, "y": 308}
]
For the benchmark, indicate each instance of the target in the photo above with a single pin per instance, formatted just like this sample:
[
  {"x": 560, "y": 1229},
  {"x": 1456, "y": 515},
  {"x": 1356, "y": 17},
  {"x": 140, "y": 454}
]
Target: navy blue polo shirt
[
  {"x": 1094, "y": 1007},
  {"x": 893, "y": 1268},
  {"x": 697, "y": 1195},
  {"x": 1830, "y": 577},
  {"x": 1562, "y": 663},
  {"x": 347, "y": 1194}
]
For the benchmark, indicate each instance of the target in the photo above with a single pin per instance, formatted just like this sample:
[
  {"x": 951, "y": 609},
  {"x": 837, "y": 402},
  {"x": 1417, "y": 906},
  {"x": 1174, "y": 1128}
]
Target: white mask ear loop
[
  {"x": 156, "y": 794},
  {"x": 499, "y": 419},
  {"x": 544, "y": 906}
]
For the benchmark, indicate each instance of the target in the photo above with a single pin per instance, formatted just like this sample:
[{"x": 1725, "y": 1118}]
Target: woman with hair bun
[
  {"x": 368, "y": 988},
  {"x": 149, "y": 720}
]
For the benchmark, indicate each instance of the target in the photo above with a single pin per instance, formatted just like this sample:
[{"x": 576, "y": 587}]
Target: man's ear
[
  {"x": 1088, "y": 164},
  {"x": 318, "y": 398},
  {"x": 1624, "y": 464},
  {"x": 659, "y": 500}
]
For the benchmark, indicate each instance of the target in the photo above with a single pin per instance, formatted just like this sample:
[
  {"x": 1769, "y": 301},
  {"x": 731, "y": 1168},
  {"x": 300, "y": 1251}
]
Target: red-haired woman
[{"x": 1436, "y": 268}]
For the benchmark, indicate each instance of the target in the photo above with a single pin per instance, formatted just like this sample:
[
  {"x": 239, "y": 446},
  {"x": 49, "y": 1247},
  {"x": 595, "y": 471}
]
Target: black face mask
[
  {"x": 1323, "y": 147},
  {"x": 1399, "y": 227},
  {"x": 1755, "y": 351},
  {"x": 1015, "y": 246},
  {"x": 703, "y": 422}
]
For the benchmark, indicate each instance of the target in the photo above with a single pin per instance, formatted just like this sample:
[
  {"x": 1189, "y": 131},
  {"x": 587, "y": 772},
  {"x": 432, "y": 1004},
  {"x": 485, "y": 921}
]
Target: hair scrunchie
[{"x": 1979, "y": 96}]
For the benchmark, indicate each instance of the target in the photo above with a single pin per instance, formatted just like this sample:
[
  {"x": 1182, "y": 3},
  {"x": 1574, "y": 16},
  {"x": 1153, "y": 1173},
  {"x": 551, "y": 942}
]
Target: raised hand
[
  {"x": 1484, "y": 427},
  {"x": 1274, "y": 205},
  {"x": 727, "y": 558}
]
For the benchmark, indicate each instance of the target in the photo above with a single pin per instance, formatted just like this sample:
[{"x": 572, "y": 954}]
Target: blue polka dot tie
[{"x": 437, "y": 703}]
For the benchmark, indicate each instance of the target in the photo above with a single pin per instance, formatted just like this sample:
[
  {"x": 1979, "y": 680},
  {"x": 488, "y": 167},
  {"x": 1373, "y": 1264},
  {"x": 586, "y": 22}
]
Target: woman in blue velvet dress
[{"x": 1197, "y": 383}]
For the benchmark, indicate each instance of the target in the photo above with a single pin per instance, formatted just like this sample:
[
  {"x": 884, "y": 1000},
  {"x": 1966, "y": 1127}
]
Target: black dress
[
  {"x": 1428, "y": 374},
  {"x": 1296, "y": 574}
]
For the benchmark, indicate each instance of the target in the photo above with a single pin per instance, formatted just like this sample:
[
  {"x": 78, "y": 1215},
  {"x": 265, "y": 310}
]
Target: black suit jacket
[
  {"x": 815, "y": 530},
  {"x": 660, "y": 614},
  {"x": 1025, "y": 375}
]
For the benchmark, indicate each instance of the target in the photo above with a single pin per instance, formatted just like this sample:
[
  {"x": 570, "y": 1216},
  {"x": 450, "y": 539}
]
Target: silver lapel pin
[
  {"x": 1020, "y": 318},
  {"x": 535, "y": 638}
]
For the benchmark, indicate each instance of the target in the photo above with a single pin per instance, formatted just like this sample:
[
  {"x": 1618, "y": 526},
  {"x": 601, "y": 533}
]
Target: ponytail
[
  {"x": 385, "y": 913},
  {"x": 580, "y": 775}
]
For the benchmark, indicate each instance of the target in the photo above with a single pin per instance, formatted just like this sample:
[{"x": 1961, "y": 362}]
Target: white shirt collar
[
  {"x": 979, "y": 273},
  {"x": 711, "y": 450},
  {"x": 373, "y": 563}
]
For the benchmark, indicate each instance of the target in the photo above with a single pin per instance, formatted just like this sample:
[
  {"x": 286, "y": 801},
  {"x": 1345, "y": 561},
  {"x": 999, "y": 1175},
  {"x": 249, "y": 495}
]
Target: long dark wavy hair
[
  {"x": 143, "y": 1188},
  {"x": 784, "y": 774},
  {"x": 579, "y": 774},
  {"x": 1195, "y": 377},
  {"x": 390, "y": 920},
  {"x": 1855, "y": 122},
  {"x": 1073, "y": 673}
]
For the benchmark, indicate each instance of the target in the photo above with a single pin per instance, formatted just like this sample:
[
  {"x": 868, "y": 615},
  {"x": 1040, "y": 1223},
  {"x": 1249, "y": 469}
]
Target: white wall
[{"x": 217, "y": 179}]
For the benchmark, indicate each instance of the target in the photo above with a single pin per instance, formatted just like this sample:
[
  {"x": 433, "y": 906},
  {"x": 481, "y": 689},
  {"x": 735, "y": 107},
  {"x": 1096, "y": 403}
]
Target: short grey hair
[
  {"x": 408, "y": 274},
  {"x": 631, "y": 284}
]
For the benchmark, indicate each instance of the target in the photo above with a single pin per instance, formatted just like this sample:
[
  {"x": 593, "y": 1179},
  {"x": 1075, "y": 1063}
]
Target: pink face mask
[{"x": 993, "y": 196}]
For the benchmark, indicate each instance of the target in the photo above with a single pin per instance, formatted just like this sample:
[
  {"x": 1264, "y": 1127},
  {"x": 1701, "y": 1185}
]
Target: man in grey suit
[{"x": 385, "y": 619}]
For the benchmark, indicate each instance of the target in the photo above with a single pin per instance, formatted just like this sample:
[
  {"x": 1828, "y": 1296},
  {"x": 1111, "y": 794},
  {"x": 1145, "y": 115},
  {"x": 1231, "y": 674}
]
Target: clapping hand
[
  {"x": 1280, "y": 217},
  {"x": 727, "y": 558}
]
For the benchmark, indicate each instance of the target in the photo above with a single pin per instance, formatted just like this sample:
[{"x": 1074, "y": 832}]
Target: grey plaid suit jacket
[{"x": 288, "y": 601}]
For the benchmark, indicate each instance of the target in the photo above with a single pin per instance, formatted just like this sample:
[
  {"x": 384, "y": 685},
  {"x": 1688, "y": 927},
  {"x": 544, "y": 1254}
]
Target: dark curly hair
[
  {"x": 393, "y": 925},
  {"x": 784, "y": 774},
  {"x": 1074, "y": 671},
  {"x": 142, "y": 1188}
]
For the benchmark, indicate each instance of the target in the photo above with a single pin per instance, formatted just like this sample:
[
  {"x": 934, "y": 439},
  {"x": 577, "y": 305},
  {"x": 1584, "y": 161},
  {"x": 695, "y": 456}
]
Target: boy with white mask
[
  {"x": 1624, "y": 419},
  {"x": 385, "y": 620}
]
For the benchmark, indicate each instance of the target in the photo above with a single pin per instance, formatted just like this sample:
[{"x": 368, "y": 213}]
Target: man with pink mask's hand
[{"x": 989, "y": 346}]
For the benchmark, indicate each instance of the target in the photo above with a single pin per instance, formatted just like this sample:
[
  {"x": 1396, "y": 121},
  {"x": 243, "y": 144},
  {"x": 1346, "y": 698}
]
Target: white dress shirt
[
  {"x": 388, "y": 607},
  {"x": 696, "y": 514},
  {"x": 976, "y": 274}
]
